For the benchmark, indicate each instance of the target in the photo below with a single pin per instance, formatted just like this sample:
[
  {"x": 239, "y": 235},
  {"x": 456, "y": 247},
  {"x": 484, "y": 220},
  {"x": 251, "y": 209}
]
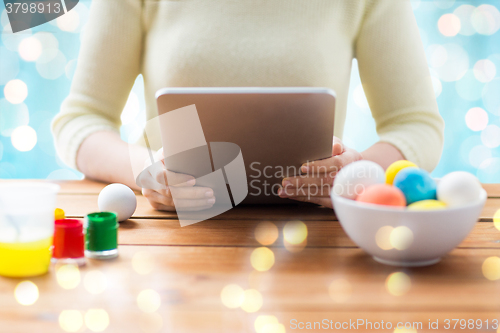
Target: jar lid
[
  {"x": 102, "y": 221},
  {"x": 101, "y": 231},
  {"x": 68, "y": 239}
]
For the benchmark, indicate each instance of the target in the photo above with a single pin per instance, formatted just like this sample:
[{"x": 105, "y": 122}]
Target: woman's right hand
[{"x": 181, "y": 194}]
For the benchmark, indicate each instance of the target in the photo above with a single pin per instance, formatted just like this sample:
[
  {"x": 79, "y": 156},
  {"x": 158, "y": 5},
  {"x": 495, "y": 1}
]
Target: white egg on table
[
  {"x": 458, "y": 188},
  {"x": 117, "y": 198},
  {"x": 355, "y": 177}
]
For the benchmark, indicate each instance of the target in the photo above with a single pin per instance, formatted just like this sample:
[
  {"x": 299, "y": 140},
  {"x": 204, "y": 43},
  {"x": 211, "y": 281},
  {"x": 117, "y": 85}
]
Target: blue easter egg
[{"x": 416, "y": 184}]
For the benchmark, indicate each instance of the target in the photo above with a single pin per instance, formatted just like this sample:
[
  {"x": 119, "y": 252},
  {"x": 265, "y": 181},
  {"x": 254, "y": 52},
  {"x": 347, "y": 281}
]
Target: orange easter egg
[{"x": 383, "y": 194}]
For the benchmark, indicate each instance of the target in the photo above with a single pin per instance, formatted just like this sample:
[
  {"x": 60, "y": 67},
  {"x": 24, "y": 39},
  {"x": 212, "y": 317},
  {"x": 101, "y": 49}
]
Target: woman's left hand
[{"x": 316, "y": 181}]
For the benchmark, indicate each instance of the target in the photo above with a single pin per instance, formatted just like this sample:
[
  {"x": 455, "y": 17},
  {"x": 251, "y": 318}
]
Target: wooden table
[{"x": 184, "y": 270}]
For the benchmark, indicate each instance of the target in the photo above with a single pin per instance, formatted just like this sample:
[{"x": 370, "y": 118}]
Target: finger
[
  {"x": 159, "y": 206},
  {"x": 338, "y": 146},
  {"x": 171, "y": 178},
  {"x": 188, "y": 204},
  {"x": 155, "y": 197},
  {"x": 330, "y": 166},
  {"x": 322, "y": 201},
  {"x": 308, "y": 180},
  {"x": 195, "y": 192}
]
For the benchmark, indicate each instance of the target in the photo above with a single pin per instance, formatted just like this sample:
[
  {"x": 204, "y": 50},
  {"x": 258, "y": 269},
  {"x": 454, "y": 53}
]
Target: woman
[{"x": 248, "y": 43}]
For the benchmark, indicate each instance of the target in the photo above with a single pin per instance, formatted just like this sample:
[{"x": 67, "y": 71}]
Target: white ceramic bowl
[{"x": 422, "y": 238}]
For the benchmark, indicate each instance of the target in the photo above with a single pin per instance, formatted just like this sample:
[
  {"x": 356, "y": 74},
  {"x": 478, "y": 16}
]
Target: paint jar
[
  {"x": 68, "y": 242},
  {"x": 101, "y": 235},
  {"x": 26, "y": 227}
]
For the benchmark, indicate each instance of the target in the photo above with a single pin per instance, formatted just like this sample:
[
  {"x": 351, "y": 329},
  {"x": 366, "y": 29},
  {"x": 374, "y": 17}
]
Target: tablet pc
[{"x": 276, "y": 130}]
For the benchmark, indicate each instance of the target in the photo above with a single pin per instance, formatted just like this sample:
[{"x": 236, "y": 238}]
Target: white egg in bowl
[{"x": 399, "y": 237}]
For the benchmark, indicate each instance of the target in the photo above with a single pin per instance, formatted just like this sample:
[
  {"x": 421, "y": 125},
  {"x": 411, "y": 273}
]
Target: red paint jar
[{"x": 68, "y": 242}]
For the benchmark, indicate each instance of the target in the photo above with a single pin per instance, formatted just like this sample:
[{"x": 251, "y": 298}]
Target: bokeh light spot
[
  {"x": 95, "y": 282},
  {"x": 449, "y": 25},
  {"x": 340, "y": 290},
  {"x": 143, "y": 263},
  {"x": 382, "y": 237},
  {"x": 401, "y": 238},
  {"x": 252, "y": 301},
  {"x": 148, "y": 300},
  {"x": 436, "y": 55},
  {"x": 478, "y": 155},
  {"x": 476, "y": 119},
  {"x": 97, "y": 320},
  {"x": 68, "y": 276},
  {"x": 486, "y": 19},
  {"x": 232, "y": 296},
  {"x": 295, "y": 232},
  {"x": 266, "y": 233},
  {"x": 485, "y": 70},
  {"x": 23, "y": 138},
  {"x": 26, "y": 293},
  {"x": 70, "y": 320},
  {"x": 491, "y": 268},
  {"x": 398, "y": 283},
  {"x": 15, "y": 91},
  {"x": 454, "y": 65},
  {"x": 464, "y": 13},
  {"x": 51, "y": 64},
  {"x": 69, "y": 22},
  {"x": 262, "y": 259},
  {"x": 496, "y": 219},
  {"x": 30, "y": 49}
]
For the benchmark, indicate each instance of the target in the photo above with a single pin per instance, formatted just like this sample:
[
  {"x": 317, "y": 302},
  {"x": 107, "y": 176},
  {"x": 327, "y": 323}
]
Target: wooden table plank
[
  {"x": 79, "y": 205},
  {"x": 242, "y": 233},
  {"x": 189, "y": 281}
]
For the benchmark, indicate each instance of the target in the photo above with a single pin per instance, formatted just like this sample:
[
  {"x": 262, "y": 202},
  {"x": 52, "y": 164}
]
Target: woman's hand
[
  {"x": 316, "y": 181},
  {"x": 175, "y": 191}
]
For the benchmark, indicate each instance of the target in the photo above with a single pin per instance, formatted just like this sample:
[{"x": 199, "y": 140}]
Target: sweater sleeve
[
  {"x": 397, "y": 83},
  {"x": 108, "y": 64}
]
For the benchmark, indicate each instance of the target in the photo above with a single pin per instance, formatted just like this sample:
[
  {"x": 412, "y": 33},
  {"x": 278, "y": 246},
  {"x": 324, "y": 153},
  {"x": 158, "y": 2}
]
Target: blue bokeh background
[{"x": 461, "y": 39}]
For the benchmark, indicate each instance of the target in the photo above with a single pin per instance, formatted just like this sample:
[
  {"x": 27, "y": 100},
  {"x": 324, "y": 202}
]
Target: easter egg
[
  {"x": 117, "y": 198},
  {"x": 382, "y": 194},
  {"x": 355, "y": 177},
  {"x": 459, "y": 188},
  {"x": 394, "y": 168},
  {"x": 416, "y": 184},
  {"x": 427, "y": 205}
]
